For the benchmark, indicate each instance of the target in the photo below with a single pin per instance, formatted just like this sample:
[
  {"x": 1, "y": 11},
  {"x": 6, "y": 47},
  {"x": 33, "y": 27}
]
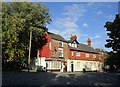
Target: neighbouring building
[
  {"x": 59, "y": 53},
  {"x": 101, "y": 57}
]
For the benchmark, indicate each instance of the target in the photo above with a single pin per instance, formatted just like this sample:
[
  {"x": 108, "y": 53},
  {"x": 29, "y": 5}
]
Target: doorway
[{"x": 72, "y": 67}]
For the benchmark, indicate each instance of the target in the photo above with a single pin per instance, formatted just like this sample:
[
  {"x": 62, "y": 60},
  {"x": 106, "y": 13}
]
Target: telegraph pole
[{"x": 29, "y": 50}]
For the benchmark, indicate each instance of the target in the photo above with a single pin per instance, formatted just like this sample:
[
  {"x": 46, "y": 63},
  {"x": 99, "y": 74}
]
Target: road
[{"x": 43, "y": 79}]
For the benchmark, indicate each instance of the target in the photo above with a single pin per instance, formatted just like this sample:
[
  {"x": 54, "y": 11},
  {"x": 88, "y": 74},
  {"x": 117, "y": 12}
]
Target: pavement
[{"x": 56, "y": 78}]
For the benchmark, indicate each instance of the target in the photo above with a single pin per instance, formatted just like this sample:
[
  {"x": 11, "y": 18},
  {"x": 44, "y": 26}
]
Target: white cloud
[
  {"x": 96, "y": 43},
  {"x": 67, "y": 24},
  {"x": 68, "y": 28},
  {"x": 85, "y": 25},
  {"x": 109, "y": 17},
  {"x": 54, "y": 31},
  {"x": 94, "y": 37},
  {"x": 74, "y": 10},
  {"x": 99, "y": 13},
  {"x": 97, "y": 36}
]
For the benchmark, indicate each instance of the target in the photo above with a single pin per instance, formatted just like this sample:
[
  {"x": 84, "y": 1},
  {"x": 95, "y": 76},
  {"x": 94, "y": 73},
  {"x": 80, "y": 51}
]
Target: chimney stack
[
  {"x": 73, "y": 37},
  {"x": 89, "y": 42}
]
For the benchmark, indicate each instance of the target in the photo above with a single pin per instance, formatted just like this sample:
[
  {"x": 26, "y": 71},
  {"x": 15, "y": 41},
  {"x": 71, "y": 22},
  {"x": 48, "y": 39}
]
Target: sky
[{"x": 83, "y": 19}]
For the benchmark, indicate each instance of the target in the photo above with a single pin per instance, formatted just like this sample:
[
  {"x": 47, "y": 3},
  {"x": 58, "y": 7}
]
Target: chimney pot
[
  {"x": 73, "y": 37},
  {"x": 89, "y": 42}
]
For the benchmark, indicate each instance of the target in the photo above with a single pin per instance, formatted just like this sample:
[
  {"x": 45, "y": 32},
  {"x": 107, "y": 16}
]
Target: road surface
[{"x": 48, "y": 78}]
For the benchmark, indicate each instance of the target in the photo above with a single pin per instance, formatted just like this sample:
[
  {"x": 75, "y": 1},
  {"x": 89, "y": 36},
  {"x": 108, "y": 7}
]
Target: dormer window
[
  {"x": 74, "y": 44},
  {"x": 60, "y": 44}
]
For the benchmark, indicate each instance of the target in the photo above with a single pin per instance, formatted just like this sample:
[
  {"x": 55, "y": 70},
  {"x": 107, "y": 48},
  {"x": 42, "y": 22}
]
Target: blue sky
[{"x": 83, "y": 19}]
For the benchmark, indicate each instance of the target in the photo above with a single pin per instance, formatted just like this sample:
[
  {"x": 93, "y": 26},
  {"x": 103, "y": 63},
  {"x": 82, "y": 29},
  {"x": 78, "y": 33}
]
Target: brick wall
[
  {"x": 65, "y": 48},
  {"x": 55, "y": 46},
  {"x": 82, "y": 56}
]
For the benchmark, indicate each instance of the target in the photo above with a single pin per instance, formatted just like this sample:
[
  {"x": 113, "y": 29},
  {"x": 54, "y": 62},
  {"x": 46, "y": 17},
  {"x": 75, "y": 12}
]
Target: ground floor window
[
  {"x": 78, "y": 65},
  {"x": 54, "y": 64},
  {"x": 48, "y": 65}
]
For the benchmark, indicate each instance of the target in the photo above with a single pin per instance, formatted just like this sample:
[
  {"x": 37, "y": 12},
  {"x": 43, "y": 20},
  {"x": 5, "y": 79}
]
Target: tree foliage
[
  {"x": 113, "y": 29},
  {"x": 113, "y": 59},
  {"x": 113, "y": 42},
  {"x": 18, "y": 18}
]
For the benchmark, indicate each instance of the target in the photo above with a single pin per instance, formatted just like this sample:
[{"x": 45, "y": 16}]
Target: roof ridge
[{"x": 56, "y": 36}]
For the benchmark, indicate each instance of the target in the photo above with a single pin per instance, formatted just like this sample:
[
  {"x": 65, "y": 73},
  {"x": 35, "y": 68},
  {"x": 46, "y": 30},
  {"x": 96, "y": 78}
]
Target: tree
[
  {"x": 18, "y": 19},
  {"x": 113, "y": 42},
  {"x": 113, "y": 29},
  {"x": 113, "y": 60}
]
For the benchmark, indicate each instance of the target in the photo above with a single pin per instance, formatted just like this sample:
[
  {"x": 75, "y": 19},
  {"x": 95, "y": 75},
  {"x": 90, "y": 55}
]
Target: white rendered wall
[
  {"x": 88, "y": 65},
  {"x": 40, "y": 62}
]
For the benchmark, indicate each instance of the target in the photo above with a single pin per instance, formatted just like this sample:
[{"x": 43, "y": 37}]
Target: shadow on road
[{"x": 46, "y": 79}]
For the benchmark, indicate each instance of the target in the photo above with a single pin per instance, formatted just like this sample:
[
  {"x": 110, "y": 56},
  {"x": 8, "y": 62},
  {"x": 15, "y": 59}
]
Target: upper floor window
[
  {"x": 74, "y": 45},
  {"x": 60, "y": 52},
  {"x": 72, "y": 53},
  {"x": 78, "y": 54},
  {"x": 87, "y": 55},
  {"x": 94, "y": 55},
  {"x": 60, "y": 44}
]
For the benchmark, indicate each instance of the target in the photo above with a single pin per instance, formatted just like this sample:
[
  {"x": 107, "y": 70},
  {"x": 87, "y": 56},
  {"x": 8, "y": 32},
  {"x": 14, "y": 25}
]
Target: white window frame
[
  {"x": 72, "y": 54},
  {"x": 94, "y": 55},
  {"x": 78, "y": 54},
  {"x": 87, "y": 55},
  {"x": 61, "y": 52},
  {"x": 52, "y": 65},
  {"x": 72, "y": 45},
  {"x": 75, "y": 45},
  {"x": 78, "y": 64},
  {"x": 59, "y": 43}
]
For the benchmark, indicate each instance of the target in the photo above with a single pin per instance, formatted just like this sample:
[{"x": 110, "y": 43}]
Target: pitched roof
[
  {"x": 56, "y": 37},
  {"x": 83, "y": 47},
  {"x": 71, "y": 41}
]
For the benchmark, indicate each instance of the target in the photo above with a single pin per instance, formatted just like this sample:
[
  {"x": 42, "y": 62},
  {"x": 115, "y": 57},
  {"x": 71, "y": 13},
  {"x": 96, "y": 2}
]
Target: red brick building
[{"x": 59, "y": 53}]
